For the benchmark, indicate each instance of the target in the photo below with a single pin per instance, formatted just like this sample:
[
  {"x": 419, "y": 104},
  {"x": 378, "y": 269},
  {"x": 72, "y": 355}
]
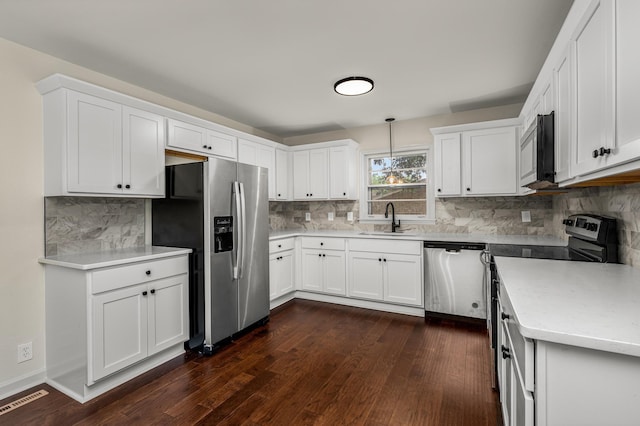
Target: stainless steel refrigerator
[{"x": 219, "y": 209}]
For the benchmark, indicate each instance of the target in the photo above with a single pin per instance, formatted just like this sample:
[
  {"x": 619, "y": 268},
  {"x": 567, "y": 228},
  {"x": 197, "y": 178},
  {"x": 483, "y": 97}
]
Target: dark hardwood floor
[{"x": 314, "y": 363}]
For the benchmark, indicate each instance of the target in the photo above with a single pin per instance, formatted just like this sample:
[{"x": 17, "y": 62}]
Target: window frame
[{"x": 427, "y": 219}]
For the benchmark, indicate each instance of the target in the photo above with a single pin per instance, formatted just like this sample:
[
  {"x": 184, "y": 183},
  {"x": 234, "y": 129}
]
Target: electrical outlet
[
  {"x": 526, "y": 216},
  {"x": 350, "y": 216},
  {"x": 25, "y": 352},
  {"x": 307, "y": 217},
  {"x": 330, "y": 216}
]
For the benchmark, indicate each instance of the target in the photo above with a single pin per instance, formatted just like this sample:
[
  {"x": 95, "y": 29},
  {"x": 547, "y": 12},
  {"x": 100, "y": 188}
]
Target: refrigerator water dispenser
[{"x": 223, "y": 233}]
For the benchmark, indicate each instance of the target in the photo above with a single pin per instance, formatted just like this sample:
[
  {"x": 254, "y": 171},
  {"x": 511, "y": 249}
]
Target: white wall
[{"x": 21, "y": 212}]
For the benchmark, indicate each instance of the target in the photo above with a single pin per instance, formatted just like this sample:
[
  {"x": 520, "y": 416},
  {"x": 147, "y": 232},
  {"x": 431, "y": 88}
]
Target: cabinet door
[
  {"x": 447, "y": 164},
  {"x": 594, "y": 107},
  {"x": 281, "y": 277},
  {"x": 221, "y": 144},
  {"x": 274, "y": 275},
  {"x": 318, "y": 177},
  {"x": 94, "y": 152},
  {"x": 256, "y": 154},
  {"x": 119, "y": 330},
  {"x": 301, "y": 175},
  {"x": 168, "y": 315},
  {"x": 365, "y": 276},
  {"x": 267, "y": 159},
  {"x": 282, "y": 174},
  {"x": 312, "y": 270},
  {"x": 547, "y": 99},
  {"x": 247, "y": 152},
  {"x": 341, "y": 171},
  {"x": 627, "y": 65},
  {"x": 143, "y": 152},
  {"x": 335, "y": 271},
  {"x": 562, "y": 118},
  {"x": 187, "y": 136},
  {"x": 403, "y": 279},
  {"x": 490, "y": 158}
]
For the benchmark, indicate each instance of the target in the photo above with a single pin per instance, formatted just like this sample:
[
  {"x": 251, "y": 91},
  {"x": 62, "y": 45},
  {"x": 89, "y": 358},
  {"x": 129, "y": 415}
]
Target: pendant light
[{"x": 391, "y": 179}]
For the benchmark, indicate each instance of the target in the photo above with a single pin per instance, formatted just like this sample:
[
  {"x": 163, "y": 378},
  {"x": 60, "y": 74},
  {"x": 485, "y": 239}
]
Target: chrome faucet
[{"x": 394, "y": 225}]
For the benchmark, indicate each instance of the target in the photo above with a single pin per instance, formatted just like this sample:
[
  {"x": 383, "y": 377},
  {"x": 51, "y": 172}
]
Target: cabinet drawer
[
  {"x": 385, "y": 246},
  {"x": 281, "y": 245},
  {"x": 323, "y": 243},
  {"x": 522, "y": 348},
  {"x": 123, "y": 276}
]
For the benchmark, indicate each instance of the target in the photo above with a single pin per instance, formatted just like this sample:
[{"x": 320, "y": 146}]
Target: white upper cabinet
[
  {"x": 317, "y": 179},
  {"x": 627, "y": 78},
  {"x": 94, "y": 146},
  {"x": 94, "y": 150},
  {"x": 562, "y": 117},
  {"x": 490, "y": 161},
  {"x": 260, "y": 155},
  {"x": 594, "y": 66},
  {"x": 200, "y": 140},
  {"x": 283, "y": 182},
  {"x": 325, "y": 170},
  {"x": 476, "y": 159},
  {"x": 447, "y": 164},
  {"x": 594, "y": 113},
  {"x": 342, "y": 172},
  {"x": 143, "y": 151}
]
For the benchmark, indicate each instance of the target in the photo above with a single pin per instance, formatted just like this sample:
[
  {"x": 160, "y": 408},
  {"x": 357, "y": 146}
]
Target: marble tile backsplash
[
  {"x": 494, "y": 215},
  {"x": 621, "y": 202},
  {"x": 82, "y": 224}
]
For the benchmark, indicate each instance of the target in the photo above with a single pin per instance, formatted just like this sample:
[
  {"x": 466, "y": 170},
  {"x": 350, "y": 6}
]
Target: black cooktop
[{"x": 536, "y": 252}]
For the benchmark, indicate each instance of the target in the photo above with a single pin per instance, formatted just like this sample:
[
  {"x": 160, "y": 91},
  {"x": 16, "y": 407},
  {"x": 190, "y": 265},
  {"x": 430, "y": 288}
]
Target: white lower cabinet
[
  {"x": 281, "y": 267},
  {"x": 132, "y": 323},
  {"x": 545, "y": 383},
  {"x": 324, "y": 271},
  {"x": 106, "y": 325},
  {"x": 384, "y": 270}
]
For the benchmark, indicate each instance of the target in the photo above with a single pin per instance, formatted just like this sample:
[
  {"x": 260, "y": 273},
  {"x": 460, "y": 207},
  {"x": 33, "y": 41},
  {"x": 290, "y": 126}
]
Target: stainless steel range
[{"x": 592, "y": 238}]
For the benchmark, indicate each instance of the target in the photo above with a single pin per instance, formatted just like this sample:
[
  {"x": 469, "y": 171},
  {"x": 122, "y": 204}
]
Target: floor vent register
[{"x": 22, "y": 401}]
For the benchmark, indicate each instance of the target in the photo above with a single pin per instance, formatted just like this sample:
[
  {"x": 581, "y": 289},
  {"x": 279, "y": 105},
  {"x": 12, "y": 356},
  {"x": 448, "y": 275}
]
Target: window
[{"x": 410, "y": 196}]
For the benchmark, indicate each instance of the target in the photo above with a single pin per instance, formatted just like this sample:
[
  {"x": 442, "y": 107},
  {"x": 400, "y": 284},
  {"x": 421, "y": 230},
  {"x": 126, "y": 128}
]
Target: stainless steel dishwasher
[{"x": 454, "y": 279}]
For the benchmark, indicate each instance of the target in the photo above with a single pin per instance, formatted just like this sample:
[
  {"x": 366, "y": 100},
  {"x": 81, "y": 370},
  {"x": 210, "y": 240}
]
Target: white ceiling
[{"x": 271, "y": 64}]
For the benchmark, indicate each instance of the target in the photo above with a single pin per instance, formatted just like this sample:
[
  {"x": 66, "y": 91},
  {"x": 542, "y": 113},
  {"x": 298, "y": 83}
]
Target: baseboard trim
[
  {"x": 22, "y": 383},
  {"x": 359, "y": 303}
]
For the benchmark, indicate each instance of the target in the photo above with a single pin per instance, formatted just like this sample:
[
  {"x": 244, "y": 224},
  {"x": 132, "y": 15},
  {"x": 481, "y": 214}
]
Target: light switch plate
[
  {"x": 330, "y": 217},
  {"x": 526, "y": 216},
  {"x": 350, "y": 216},
  {"x": 307, "y": 217}
]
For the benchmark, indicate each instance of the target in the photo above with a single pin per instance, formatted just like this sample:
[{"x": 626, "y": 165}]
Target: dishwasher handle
[{"x": 453, "y": 246}]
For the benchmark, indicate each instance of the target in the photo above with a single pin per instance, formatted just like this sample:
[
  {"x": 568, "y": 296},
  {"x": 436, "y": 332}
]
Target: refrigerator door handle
[
  {"x": 236, "y": 267},
  {"x": 243, "y": 234}
]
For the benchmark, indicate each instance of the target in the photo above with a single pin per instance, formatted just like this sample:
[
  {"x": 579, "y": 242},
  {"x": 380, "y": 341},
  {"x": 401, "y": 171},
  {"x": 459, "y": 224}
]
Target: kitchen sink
[{"x": 389, "y": 233}]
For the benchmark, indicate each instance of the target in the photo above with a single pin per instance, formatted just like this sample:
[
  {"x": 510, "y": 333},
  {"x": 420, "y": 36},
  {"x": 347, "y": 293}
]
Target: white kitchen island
[{"x": 570, "y": 339}]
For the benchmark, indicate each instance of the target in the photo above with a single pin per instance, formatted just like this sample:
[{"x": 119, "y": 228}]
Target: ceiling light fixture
[
  {"x": 353, "y": 86},
  {"x": 392, "y": 179}
]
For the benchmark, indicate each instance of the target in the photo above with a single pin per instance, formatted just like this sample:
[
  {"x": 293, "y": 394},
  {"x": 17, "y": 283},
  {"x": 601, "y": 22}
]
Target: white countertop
[
  {"x": 591, "y": 305},
  {"x": 103, "y": 259},
  {"x": 441, "y": 236}
]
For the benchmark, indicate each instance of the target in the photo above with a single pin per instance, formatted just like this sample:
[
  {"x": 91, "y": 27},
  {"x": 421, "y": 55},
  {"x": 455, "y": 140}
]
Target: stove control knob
[{"x": 568, "y": 222}]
